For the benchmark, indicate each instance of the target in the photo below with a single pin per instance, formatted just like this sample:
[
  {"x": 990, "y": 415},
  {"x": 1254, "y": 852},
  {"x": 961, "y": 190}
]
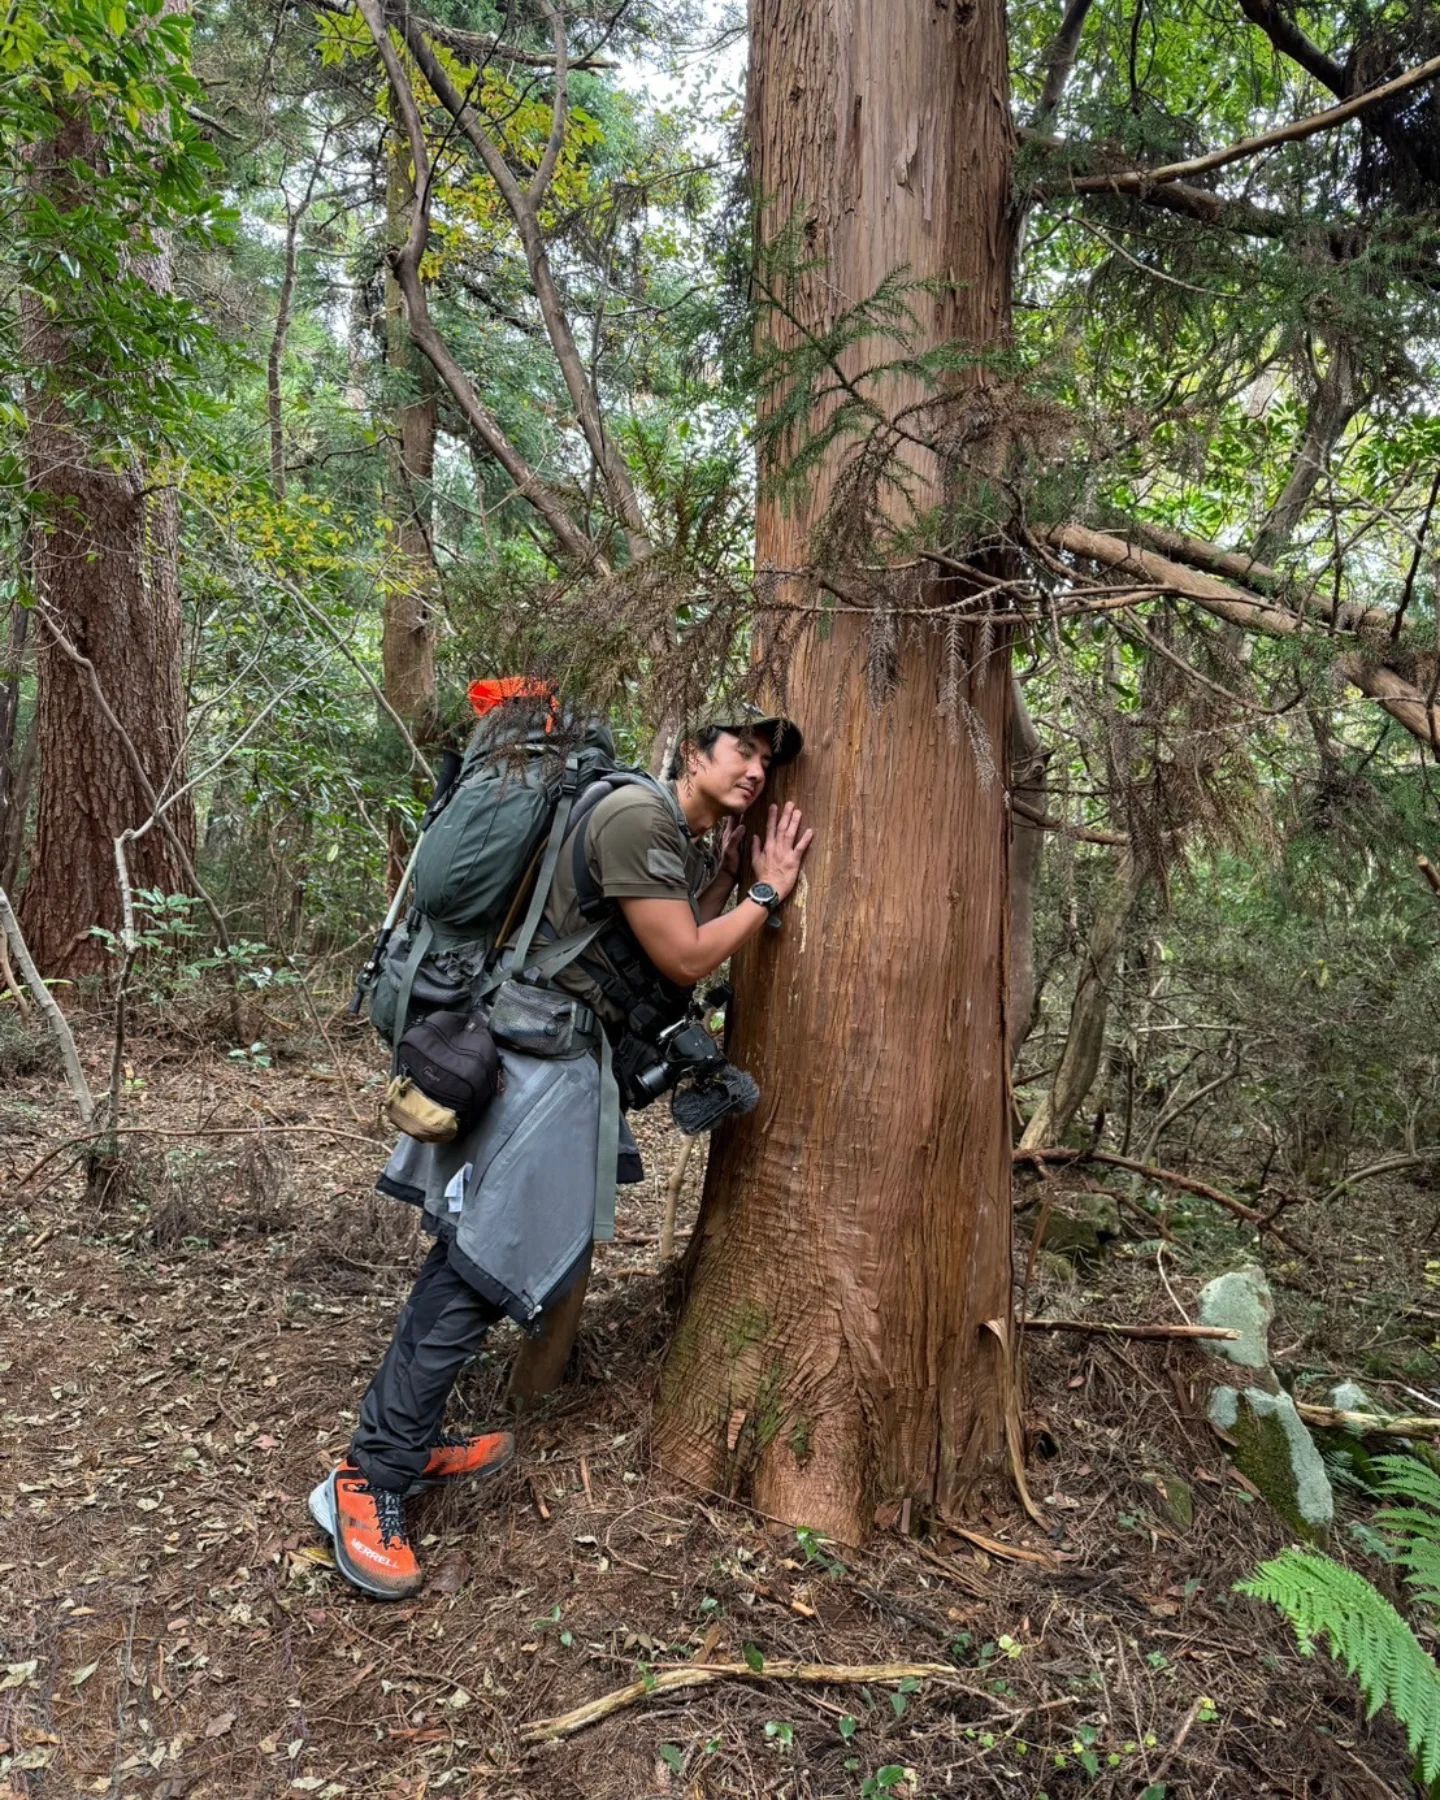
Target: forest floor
[{"x": 180, "y": 1362}]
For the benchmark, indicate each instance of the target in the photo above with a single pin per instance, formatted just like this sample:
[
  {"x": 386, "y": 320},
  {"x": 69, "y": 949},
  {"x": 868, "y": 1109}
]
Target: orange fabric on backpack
[{"x": 485, "y": 696}]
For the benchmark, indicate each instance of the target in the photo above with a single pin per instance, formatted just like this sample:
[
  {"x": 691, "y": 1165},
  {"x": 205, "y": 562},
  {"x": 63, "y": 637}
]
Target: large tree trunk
[
  {"x": 105, "y": 576},
  {"x": 855, "y": 1241}
]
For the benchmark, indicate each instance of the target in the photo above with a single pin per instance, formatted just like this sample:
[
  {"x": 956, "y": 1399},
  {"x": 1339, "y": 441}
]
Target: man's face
[{"x": 733, "y": 772}]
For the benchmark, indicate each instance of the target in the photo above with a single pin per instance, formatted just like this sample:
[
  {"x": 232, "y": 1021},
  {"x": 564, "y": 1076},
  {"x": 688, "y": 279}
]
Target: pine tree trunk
[
  {"x": 105, "y": 573},
  {"x": 855, "y": 1238}
]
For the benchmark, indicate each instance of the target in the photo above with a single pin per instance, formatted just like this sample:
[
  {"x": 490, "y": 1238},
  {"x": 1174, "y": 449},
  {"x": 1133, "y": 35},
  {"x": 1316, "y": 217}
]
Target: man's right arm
[{"x": 685, "y": 952}]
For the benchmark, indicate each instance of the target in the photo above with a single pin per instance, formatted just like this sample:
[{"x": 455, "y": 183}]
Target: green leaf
[
  {"x": 753, "y": 1659},
  {"x": 115, "y": 19},
  {"x": 673, "y": 1757}
]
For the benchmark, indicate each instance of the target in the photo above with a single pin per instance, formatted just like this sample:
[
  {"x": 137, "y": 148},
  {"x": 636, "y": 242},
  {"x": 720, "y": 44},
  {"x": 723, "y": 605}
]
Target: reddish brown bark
[
  {"x": 105, "y": 574},
  {"x": 855, "y": 1237}
]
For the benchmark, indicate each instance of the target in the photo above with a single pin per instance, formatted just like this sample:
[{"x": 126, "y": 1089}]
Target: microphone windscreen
[{"x": 700, "y": 1108}]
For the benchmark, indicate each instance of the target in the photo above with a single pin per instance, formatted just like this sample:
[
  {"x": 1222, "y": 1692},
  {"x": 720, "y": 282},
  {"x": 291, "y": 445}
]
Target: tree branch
[
  {"x": 619, "y": 488},
  {"x": 1062, "y": 58},
  {"x": 1287, "y": 37},
  {"x": 1417, "y": 712},
  {"x": 46, "y": 1001},
  {"x": 1098, "y": 1328},
  {"x": 692, "y": 1675},
  {"x": 1186, "y": 1183},
  {"x": 1136, "y": 180},
  {"x": 405, "y": 260}
]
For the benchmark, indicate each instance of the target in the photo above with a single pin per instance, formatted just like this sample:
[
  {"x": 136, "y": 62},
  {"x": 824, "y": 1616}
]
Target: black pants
[{"x": 442, "y": 1326}]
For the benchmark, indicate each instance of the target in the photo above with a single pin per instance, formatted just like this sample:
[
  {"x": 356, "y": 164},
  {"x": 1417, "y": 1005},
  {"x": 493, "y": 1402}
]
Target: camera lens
[{"x": 652, "y": 1082}]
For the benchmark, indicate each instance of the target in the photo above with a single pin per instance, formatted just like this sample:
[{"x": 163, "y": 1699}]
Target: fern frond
[
  {"x": 1326, "y": 1602},
  {"x": 1414, "y": 1529},
  {"x": 1409, "y": 1478}
]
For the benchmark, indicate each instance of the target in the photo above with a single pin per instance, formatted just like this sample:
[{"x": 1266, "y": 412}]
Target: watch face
[{"x": 764, "y": 893}]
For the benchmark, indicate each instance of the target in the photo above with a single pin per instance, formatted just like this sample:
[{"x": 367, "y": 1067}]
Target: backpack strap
[
  {"x": 424, "y": 937},
  {"x": 559, "y": 825},
  {"x": 592, "y": 901},
  {"x": 607, "y": 1146}
]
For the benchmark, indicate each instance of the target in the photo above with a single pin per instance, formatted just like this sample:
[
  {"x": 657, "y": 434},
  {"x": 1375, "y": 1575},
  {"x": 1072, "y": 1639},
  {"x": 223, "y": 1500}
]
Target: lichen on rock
[
  {"x": 1240, "y": 1301},
  {"x": 1268, "y": 1438}
]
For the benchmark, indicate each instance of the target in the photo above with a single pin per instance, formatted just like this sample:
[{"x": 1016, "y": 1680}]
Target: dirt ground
[{"x": 181, "y": 1359}]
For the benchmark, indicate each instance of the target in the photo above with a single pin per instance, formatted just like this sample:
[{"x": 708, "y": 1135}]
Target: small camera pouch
[
  {"x": 447, "y": 1073},
  {"x": 541, "y": 1021}
]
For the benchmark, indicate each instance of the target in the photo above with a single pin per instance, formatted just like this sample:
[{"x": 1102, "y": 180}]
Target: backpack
[{"x": 501, "y": 824}]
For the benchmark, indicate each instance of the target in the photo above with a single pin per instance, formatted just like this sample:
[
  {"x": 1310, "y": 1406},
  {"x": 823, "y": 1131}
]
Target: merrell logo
[{"x": 374, "y": 1555}]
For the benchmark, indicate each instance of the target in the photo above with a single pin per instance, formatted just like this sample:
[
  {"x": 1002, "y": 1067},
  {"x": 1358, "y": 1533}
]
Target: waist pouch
[
  {"x": 447, "y": 1073},
  {"x": 541, "y": 1021}
]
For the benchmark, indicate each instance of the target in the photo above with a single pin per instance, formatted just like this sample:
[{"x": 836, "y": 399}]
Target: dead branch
[
  {"x": 1186, "y": 1183},
  {"x": 1399, "y": 697},
  {"x": 693, "y": 1675},
  {"x": 46, "y": 1001},
  {"x": 1332, "y": 1418},
  {"x": 1430, "y": 872},
  {"x": 1410, "y": 1159},
  {"x": 1099, "y": 1328},
  {"x": 1082, "y": 834},
  {"x": 93, "y": 1137}
]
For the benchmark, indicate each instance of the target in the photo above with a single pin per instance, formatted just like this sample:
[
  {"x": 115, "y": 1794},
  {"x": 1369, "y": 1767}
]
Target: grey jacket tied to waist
[{"x": 520, "y": 1197}]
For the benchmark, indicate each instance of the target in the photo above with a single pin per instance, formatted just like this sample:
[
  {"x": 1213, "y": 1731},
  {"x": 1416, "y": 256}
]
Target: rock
[
  {"x": 1172, "y": 1496},
  {"x": 1082, "y": 1228},
  {"x": 1240, "y": 1301},
  {"x": 1349, "y": 1396},
  {"x": 1269, "y": 1441}
]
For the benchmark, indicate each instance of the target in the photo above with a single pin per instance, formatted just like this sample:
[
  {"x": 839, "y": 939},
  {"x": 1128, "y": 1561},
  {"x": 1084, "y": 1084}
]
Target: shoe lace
[
  {"x": 389, "y": 1514},
  {"x": 450, "y": 1440}
]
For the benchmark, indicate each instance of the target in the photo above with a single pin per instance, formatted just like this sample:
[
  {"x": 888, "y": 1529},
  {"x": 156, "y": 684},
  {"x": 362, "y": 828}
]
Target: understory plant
[{"x": 1327, "y": 1603}]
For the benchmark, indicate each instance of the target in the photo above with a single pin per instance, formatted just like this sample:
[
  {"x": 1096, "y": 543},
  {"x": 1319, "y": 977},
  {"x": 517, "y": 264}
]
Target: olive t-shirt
[{"x": 637, "y": 849}]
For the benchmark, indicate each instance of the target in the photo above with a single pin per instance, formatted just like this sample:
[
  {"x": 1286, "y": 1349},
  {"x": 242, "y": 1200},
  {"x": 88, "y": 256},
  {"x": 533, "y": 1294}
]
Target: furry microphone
[{"x": 701, "y": 1106}]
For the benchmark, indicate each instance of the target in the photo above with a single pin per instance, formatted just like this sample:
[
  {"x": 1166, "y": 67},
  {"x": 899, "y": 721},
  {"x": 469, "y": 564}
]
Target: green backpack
[{"x": 503, "y": 820}]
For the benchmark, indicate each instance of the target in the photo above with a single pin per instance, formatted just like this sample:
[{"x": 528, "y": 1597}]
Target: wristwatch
[{"x": 763, "y": 894}]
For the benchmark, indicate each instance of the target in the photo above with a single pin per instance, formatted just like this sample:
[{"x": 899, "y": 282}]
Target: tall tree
[
  {"x": 845, "y": 1338},
  {"x": 106, "y": 178}
]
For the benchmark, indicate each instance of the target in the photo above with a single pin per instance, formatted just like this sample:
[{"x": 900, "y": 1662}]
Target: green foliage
[{"x": 1330, "y": 1604}]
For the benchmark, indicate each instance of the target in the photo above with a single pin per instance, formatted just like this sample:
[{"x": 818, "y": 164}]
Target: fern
[
  {"x": 1325, "y": 1601},
  {"x": 1414, "y": 1529}
]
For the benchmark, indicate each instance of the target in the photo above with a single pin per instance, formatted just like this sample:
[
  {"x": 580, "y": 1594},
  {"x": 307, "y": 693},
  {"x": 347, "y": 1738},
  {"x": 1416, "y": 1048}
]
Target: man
[{"x": 637, "y": 862}]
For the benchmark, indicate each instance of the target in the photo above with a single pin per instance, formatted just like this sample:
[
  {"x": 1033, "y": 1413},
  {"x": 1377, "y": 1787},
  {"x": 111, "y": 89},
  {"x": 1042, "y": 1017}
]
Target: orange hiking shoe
[
  {"x": 367, "y": 1526},
  {"x": 462, "y": 1458}
]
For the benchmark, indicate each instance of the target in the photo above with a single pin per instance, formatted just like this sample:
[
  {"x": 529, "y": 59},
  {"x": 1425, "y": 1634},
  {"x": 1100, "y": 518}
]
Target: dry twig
[
  {"x": 1098, "y": 1328},
  {"x": 692, "y": 1675}
]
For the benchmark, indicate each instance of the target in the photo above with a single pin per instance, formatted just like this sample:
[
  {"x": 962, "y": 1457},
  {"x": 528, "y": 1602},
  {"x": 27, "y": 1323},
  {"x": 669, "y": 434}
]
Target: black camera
[
  {"x": 646, "y": 1070},
  {"x": 686, "y": 1062}
]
